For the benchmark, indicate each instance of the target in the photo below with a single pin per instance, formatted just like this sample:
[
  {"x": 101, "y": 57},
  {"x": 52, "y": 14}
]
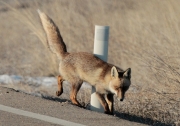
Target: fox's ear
[
  {"x": 114, "y": 72},
  {"x": 127, "y": 73}
]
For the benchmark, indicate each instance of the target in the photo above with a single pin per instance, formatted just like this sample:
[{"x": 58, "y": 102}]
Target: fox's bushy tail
[{"x": 55, "y": 41}]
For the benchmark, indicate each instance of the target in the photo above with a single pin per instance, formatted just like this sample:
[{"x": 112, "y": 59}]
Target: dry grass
[{"x": 144, "y": 35}]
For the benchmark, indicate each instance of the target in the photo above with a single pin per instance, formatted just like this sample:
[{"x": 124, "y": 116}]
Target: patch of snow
[
  {"x": 5, "y": 79},
  {"x": 45, "y": 81}
]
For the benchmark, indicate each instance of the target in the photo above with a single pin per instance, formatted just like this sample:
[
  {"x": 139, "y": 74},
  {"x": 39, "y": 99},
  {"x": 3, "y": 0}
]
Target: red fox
[{"x": 80, "y": 67}]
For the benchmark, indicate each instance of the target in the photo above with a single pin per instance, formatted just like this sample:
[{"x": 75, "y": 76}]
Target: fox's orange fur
[{"x": 81, "y": 66}]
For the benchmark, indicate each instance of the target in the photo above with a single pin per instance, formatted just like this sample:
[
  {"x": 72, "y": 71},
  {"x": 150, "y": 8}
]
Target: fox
[{"x": 79, "y": 67}]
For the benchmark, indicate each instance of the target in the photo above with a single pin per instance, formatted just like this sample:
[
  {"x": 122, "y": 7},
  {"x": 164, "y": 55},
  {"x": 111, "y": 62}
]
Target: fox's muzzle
[{"x": 122, "y": 95}]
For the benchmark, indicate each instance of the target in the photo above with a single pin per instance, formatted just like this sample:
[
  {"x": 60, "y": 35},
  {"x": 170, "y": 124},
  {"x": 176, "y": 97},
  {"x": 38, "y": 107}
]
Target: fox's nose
[{"x": 121, "y": 99}]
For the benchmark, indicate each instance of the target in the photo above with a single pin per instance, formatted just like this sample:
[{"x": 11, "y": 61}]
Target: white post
[{"x": 100, "y": 50}]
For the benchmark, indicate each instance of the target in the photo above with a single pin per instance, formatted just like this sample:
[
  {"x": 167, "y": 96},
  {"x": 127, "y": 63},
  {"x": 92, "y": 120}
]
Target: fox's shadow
[
  {"x": 138, "y": 119},
  {"x": 55, "y": 99}
]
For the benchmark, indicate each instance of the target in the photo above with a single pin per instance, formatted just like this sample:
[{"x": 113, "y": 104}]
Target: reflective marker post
[{"x": 100, "y": 50}]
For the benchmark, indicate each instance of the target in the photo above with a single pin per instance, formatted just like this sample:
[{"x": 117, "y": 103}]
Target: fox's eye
[{"x": 117, "y": 88}]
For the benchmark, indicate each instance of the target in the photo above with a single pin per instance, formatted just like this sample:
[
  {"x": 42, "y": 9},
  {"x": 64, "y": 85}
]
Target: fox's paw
[
  {"x": 58, "y": 93},
  {"x": 83, "y": 105},
  {"x": 109, "y": 113}
]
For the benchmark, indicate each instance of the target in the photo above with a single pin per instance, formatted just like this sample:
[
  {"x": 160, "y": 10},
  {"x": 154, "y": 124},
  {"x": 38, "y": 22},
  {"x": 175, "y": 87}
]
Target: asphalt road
[{"x": 20, "y": 109}]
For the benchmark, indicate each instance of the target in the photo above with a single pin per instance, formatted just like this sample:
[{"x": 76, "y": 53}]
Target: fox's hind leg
[
  {"x": 60, "y": 86},
  {"x": 74, "y": 90},
  {"x": 110, "y": 102}
]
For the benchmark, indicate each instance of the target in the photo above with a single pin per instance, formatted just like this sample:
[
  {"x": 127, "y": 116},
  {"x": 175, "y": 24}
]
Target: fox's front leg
[
  {"x": 60, "y": 86},
  {"x": 110, "y": 102},
  {"x": 103, "y": 103}
]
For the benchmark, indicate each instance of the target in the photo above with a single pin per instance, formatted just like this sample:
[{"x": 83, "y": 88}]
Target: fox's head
[{"x": 120, "y": 82}]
